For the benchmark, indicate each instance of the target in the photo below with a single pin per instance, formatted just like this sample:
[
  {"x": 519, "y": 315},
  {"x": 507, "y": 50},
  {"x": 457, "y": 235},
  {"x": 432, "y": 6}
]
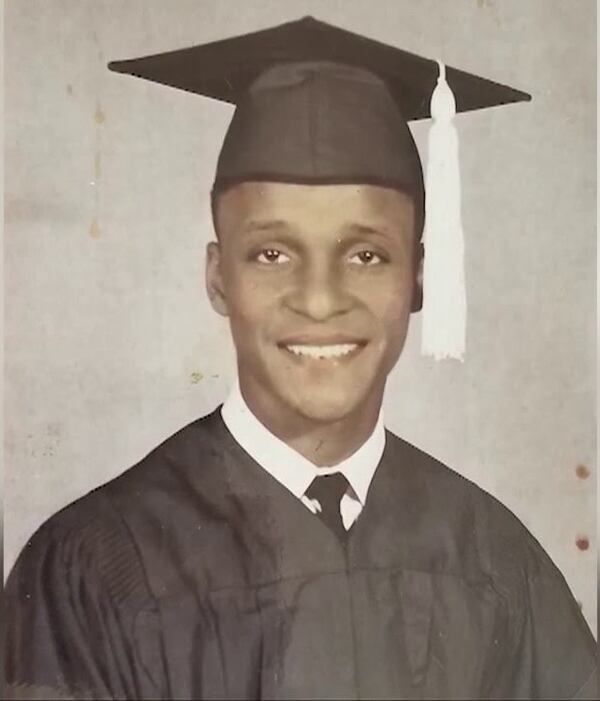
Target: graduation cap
[{"x": 318, "y": 104}]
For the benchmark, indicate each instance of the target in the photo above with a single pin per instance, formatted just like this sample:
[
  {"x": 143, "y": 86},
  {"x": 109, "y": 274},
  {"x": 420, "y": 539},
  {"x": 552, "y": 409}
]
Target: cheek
[
  {"x": 389, "y": 298},
  {"x": 394, "y": 325},
  {"x": 394, "y": 321},
  {"x": 250, "y": 297}
]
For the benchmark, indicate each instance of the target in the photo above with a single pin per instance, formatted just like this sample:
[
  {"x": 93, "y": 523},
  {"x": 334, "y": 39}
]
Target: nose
[{"x": 319, "y": 293}]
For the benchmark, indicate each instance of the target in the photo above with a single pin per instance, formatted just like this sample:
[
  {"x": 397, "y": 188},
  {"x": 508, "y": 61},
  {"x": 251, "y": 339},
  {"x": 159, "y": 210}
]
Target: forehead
[{"x": 314, "y": 206}]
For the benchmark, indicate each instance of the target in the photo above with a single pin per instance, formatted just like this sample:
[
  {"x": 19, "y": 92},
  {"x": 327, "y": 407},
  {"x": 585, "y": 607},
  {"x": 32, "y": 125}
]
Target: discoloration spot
[
  {"x": 46, "y": 443},
  {"x": 94, "y": 229},
  {"x": 69, "y": 89},
  {"x": 99, "y": 116},
  {"x": 195, "y": 377},
  {"x": 582, "y": 542},
  {"x": 489, "y": 5},
  {"x": 53, "y": 429},
  {"x": 582, "y": 472}
]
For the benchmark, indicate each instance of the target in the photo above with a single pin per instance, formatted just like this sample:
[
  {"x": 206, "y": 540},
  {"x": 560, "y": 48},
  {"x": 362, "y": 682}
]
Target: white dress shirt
[{"x": 293, "y": 470}]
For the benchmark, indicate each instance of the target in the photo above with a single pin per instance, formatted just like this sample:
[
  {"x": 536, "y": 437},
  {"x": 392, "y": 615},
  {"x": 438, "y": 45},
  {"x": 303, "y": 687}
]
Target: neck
[{"x": 324, "y": 443}]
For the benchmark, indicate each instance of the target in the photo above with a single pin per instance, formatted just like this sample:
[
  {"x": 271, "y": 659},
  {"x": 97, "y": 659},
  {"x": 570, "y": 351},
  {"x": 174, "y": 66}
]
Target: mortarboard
[{"x": 318, "y": 104}]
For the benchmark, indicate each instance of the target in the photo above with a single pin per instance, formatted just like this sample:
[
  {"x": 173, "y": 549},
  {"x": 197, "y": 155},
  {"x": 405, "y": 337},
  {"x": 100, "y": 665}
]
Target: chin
[{"x": 325, "y": 406}]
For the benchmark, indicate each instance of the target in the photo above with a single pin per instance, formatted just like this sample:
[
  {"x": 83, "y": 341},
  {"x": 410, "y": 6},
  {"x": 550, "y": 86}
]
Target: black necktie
[{"x": 328, "y": 490}]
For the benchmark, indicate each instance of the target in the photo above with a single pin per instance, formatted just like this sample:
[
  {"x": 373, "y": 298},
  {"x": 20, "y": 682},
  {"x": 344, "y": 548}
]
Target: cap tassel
[{"x": 444, "y": 295}]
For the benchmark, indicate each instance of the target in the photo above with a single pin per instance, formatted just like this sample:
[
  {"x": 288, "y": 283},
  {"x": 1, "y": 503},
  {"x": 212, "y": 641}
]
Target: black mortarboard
[
  {"x": 224, "y": 70},
  {"x": 315, "y": 122},
  {"x": 318, "y": 104}
]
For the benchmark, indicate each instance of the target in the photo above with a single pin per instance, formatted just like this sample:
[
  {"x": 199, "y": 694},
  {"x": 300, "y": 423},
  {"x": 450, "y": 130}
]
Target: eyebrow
[
  {"x": 366, "y": 230},
  {"x": 265, "y": 225},
  {"x": 283, "y": 227}
]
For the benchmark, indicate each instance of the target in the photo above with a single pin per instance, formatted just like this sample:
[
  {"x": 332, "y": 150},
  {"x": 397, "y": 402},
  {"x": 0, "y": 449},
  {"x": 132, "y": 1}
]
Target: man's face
[{"x": 317, "y": 282}]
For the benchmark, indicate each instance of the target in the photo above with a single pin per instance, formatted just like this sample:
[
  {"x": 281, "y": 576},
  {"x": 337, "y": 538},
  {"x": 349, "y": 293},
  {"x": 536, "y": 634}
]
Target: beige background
[{"x": 111, "y": 345}]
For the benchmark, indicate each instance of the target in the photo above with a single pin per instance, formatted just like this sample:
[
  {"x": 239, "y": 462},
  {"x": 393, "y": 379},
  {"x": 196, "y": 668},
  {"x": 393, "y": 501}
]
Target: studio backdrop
[{"x": 111, "y": 344}]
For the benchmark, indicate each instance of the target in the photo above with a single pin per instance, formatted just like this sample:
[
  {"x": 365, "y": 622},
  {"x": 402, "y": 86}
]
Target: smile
[{"x": 328, "y": 352}]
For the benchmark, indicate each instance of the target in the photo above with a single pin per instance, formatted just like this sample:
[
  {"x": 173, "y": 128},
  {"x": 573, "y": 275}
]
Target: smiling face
[{"x": 317, "y": 282}]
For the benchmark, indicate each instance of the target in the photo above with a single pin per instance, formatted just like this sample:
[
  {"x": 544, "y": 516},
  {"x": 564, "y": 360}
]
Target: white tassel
[{"x": 444, "y": 295}]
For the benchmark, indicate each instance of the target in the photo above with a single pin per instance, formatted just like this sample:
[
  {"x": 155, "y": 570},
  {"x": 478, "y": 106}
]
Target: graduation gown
[{"x": 196, "y": 574}]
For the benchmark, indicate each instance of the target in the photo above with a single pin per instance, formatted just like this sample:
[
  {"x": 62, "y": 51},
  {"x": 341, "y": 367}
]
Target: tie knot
[{"x": 328, "y": 490}]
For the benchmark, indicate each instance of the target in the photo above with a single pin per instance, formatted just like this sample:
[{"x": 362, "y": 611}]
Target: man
[{"x": 287, "y": 546}]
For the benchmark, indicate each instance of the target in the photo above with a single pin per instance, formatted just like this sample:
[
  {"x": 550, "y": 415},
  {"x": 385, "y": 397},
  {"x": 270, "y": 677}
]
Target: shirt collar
[{"x": 286, "y": 465}]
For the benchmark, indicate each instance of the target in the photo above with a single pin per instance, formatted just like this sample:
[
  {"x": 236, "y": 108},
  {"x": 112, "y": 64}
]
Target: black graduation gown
[{"x": 195, "y": 574}]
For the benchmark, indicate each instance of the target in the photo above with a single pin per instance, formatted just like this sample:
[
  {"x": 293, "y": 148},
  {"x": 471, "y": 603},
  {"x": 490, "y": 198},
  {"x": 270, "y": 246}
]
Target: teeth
[{"x": 323, "y": 352}]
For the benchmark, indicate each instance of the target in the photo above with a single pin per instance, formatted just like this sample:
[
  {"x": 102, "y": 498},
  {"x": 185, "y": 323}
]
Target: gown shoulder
[
  {"x": 551, "y": 650},
  {"x": 82, "y": 616}
]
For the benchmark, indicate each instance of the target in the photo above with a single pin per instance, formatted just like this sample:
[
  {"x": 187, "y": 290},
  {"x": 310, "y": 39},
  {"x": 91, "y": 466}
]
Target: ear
[
  {"x": 214, "y": 279},
  {"x": 417, "y": 294}
]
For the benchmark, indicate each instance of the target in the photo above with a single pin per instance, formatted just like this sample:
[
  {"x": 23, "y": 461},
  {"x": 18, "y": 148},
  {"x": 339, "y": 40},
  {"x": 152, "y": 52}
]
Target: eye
[
  {"x": 366, "y": 257},
  {"x": 271, "y": 256}
]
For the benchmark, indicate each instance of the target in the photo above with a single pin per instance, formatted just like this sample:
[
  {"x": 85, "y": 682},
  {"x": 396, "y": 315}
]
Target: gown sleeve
[
  {"x": 74, "y": 601},
  {"x": 552, "y": 653}
]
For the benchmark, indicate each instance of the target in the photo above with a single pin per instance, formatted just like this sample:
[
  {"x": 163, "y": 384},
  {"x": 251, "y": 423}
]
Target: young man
[{"x": 287, "y": 546}]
